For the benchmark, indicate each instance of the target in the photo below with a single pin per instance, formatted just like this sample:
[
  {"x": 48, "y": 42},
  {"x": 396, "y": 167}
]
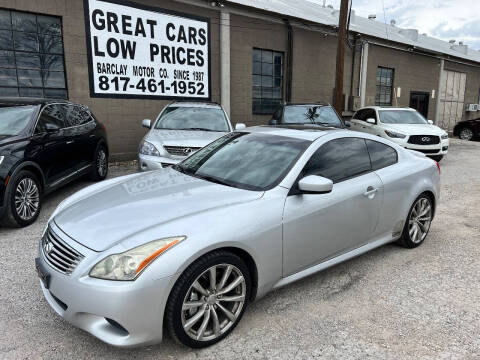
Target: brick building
[{"x": 260, "y": 53}]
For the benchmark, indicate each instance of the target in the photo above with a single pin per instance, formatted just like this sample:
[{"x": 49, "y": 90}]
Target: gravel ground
[{"x": 389, "y": 303}]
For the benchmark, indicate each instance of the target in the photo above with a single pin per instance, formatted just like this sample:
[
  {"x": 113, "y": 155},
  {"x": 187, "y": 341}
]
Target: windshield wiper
[
  {"x": 199, "y": 128},
  {"x": 213, "y": 179},
  {"x": 325, "y": 123}
]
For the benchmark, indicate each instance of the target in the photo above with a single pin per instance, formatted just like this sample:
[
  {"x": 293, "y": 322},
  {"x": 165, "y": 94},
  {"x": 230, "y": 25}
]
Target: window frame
[
  {"x": 38, "y": 52},
  {"x": 380, "y": 89},
  {"x": 255, "y": 110}
]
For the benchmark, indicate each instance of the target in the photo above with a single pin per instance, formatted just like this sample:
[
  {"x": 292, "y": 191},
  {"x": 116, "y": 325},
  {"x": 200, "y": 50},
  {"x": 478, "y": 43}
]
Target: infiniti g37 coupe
[
  {"x": 187, "y": 248},
  {"x": 45, "y": 144}
]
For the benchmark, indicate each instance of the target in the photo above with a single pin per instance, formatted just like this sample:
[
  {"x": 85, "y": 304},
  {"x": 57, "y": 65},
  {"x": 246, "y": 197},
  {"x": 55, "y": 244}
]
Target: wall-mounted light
[{"x": 217, "y": 4}]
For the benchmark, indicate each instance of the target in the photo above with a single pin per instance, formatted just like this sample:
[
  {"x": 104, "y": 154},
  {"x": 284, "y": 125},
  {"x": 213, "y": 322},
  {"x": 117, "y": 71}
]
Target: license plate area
[{"x": 42, "y": 273}]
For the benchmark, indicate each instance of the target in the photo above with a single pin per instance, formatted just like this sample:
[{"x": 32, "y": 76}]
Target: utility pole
[{"x": 342, "y": 40}]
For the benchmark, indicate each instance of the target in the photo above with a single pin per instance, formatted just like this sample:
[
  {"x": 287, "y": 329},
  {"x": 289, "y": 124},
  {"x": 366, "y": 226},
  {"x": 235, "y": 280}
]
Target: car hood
[
  {"x": 188, "y": 138},
  {"x": 105, "y": 217},
  {"x": 415, "y": 129}
]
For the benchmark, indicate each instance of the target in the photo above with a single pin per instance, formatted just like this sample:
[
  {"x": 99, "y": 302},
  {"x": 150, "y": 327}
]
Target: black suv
[
  {"x": 306, "y": 114},
  {"x": 45, "y": 144}
]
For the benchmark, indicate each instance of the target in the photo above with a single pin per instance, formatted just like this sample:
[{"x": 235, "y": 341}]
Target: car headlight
[
  {"x": 1, "y": 159},
  {"x": 444, "y": 136},
  {"x": 147, "y": 148},
  {"x": 394, "y": 134},
  {"x": 129, "y": 264}
]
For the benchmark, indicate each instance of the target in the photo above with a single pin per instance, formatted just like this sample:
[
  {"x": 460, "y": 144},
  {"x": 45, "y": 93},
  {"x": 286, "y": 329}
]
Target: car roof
[
  {"x": 387, "y": 108},
  {"x": 199, "y": 104},
  {"x": 305, "y": 132},
  {"x": 17, "y": 101}
]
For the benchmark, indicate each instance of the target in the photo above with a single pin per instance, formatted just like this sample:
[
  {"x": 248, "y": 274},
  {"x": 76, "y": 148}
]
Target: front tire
[
  {"x": 418, "y": 222},
  {"x": 24, "y": 200},
  {"x": 100, "y": 164},
  {"x": 208, "y": 300}
]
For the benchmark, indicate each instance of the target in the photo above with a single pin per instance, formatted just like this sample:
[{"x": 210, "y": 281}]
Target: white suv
[
  {"x": 180, "y": 129},
  {"x": 405, "y": 127}
]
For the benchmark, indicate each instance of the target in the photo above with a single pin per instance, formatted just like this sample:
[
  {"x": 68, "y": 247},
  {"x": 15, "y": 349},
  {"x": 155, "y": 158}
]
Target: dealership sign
[{"x": 137, "y": 51}]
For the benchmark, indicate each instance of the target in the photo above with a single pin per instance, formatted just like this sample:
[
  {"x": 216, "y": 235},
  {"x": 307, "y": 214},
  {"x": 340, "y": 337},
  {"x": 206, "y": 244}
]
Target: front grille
[
  {"x": 181, "y": 150},
  {"x": 424, "y": 140},
  {"x": 426, "y": 151},
  {"x": 58, "y": 254}
]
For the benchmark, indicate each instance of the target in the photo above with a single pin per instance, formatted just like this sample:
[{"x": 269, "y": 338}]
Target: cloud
[{"x": 443, "y": 19}]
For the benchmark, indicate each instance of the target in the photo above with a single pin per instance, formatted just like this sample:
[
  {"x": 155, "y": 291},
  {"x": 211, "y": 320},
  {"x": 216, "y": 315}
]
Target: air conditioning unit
[{"x": 472, "y": 107}]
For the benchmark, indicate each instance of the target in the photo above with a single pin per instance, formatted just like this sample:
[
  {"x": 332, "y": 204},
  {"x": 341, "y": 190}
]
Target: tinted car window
[
  {"x": 360, "y": 115},
  {"x": 77, "y": 115},
  {"x": 339, "y": 159},
  {"x": 370, "y": 114},
  {"x": 52, "y": 114},
  {"x": 381, "y": 155}
]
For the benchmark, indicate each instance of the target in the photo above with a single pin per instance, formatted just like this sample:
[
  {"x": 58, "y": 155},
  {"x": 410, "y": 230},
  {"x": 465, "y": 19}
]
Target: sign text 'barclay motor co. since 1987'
[{"x": 137, "y": 52}]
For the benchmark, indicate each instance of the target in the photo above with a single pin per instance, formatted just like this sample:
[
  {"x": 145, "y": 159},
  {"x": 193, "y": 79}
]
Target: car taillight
[{"x": 438, "y": 166}]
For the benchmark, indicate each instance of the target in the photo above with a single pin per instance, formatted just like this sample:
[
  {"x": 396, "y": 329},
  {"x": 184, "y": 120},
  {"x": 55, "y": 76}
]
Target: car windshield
[
  {"x": 401, "y": 117},
  {"x": 14, "y": 119},
  {"x": 307, "y": 114},
  {"x": 245, "y": 160},
  {"x": 193, "y": 118}
]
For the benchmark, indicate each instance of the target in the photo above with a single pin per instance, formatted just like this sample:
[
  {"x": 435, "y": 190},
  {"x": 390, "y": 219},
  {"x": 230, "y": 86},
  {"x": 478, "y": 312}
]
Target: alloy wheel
[
  {"x": 419, "y": 221},
  {"x": 466, "y": 134},
  {"x": 213, "y": 302},
  {"x": 27, "y": 199},
  {"x": 102, "y": 163}
]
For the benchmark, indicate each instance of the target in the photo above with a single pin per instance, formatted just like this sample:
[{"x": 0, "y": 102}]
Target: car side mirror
[
  {"x": 315, "y": 184},
  {"x": 240, "y": 126},
  {"x": 51, "y": 128},
  {"x": 371, "y": 121},
  {"x": 430, "y": 122},
  {"x": 347, "y": 123},
  {"x": 273, "y": 122},
  {"x": 147, "y": 123}
]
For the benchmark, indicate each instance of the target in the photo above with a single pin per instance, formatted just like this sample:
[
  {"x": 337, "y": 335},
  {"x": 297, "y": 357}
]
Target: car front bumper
[
  {"x": 428, "y": 150},
  {"x": 148, "y": 163},
  {"x": 91, "y": 304}
]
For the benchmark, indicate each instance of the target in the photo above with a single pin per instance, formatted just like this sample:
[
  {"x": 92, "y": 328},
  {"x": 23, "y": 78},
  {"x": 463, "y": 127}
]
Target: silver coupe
[{"x": 187, "y": 248}]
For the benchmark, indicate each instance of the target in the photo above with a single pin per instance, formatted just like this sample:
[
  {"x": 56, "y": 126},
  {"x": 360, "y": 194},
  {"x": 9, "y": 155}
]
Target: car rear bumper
[
  {"x": 148, "y": 163},
  {"x": 120, "y": 313}
]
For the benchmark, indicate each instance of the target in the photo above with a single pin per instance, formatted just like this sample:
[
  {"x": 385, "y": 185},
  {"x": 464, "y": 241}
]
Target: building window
[
  {"x": 267, "y": 81},
  {"x": 31, "y": 55},
  {"x": 383, "y": 95}
]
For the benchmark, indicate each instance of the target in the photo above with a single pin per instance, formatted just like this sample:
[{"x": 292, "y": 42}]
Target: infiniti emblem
[
  {"x": 47, "y": 246},
  {"x": 187, "y": 151},
  {"x": 425, "y": 139}
]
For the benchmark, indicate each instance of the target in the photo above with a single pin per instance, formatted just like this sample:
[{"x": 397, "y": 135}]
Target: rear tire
[
  {"x": 24, "y": 201},
  {"x": 100, "y": 164},
  {"x": 465, "y": 133},
  {"x": 418, "y": 222},
  {"x": 202, "y": 309}
]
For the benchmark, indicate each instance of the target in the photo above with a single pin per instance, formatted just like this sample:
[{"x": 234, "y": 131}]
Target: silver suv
[{"x": 180, "y": 129}]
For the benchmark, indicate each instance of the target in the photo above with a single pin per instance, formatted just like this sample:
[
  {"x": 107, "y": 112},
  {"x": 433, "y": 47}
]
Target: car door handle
[
  {"x": 70, "y": 142},
  {"x": 370, "y": 191}
]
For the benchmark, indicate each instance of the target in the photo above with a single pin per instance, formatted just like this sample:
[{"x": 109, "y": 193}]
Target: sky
[{"x": 443, "y": 19}]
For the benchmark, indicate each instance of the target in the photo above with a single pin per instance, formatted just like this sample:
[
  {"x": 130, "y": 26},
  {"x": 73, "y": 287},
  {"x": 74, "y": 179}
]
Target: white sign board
[{"x": 137, "y": 51}]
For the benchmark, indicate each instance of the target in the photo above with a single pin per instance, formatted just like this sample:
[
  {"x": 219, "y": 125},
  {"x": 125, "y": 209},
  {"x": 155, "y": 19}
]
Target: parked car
[
  {"x": 307, "y": 114},
  {"x": 188, "y": 247},
  {"x": 181, "y": 129},
  {"x": 405, "y": 127},
  {"x": 467, "y": 129},
  {"x": 45, "y": 144}
]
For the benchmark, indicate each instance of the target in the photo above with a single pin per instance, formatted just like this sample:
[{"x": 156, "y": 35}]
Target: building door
[
  {"x": 452, "y": 99},
  {"x": 419, "y": 102}
]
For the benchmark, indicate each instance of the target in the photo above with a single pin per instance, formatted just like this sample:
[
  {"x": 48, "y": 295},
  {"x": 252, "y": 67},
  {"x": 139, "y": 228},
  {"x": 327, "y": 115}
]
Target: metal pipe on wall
[{"x": 225, "y": 60}]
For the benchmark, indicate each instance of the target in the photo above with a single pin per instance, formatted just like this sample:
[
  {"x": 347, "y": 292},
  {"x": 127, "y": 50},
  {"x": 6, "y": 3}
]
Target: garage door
[{"x": 452, "y": 99}]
